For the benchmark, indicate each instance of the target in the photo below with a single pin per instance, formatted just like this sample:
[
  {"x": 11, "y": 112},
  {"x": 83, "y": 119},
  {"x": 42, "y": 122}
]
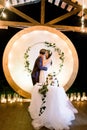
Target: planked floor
[{"x": 16, "y": 117}]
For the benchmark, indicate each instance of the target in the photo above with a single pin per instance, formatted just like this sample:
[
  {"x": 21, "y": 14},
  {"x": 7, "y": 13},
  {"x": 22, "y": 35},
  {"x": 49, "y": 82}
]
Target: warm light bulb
[
  {"x": 3, "y": 15},
  {"x": 84, "y": 6},
  {"x": 7, "y": 4},
  {"x": 82, "y": 19}
]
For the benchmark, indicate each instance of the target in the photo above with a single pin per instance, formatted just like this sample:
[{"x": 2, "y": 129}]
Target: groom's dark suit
[{"x": 36, "y": 70}]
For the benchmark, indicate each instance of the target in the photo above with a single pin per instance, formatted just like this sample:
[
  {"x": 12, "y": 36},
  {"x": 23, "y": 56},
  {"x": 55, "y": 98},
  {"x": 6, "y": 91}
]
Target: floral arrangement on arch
[{"x": 49, "y": 45}]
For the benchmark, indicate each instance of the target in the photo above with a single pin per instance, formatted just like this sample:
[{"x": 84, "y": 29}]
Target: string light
[
  {"x": 77, "y": 96},
  {"x": 7, "y": 4},
  {"x": 3, "y": 14},
  {"x": 82, "y": 18}
]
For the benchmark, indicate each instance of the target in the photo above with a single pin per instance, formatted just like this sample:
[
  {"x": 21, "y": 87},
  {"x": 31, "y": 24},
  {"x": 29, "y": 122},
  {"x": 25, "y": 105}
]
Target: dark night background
[{"x": 79, "y": 40}]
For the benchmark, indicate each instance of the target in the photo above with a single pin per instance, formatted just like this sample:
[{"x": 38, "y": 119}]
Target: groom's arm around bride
[{"x": 38, "y": 66}]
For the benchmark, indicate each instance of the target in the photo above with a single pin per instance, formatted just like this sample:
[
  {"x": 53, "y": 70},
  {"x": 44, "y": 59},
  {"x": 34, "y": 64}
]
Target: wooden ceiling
[{"x": 68, "y": 8}]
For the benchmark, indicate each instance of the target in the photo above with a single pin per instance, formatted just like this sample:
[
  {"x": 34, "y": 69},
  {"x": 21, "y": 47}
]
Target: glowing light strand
[
  {"x": 7, "y": 5},
  {"x": 82, "y": 18}
]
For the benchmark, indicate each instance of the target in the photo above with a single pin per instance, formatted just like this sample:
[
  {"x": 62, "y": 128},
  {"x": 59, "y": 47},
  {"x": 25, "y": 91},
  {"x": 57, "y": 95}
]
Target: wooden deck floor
[{"x": 16, "y": 117}]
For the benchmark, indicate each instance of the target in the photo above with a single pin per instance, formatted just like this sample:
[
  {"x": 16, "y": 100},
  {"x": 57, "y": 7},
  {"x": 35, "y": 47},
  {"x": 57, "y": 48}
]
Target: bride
[
  {"x": 47, "y": 62},
  {"x": 50, "y": 106}
]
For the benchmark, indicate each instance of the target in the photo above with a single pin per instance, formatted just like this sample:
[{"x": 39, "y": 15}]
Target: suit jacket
[{"x": 36, "y": 70}]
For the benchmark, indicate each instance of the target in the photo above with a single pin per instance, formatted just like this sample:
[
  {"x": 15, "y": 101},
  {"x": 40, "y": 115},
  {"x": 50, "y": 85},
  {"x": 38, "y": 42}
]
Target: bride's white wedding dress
[
  {"x": 43, "y": 74},
  {"x": 58, "y": 112}
]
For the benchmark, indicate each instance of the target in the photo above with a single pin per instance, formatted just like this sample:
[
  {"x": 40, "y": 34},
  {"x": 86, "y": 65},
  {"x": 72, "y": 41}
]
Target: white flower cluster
[{"x": 52, "y": 79}]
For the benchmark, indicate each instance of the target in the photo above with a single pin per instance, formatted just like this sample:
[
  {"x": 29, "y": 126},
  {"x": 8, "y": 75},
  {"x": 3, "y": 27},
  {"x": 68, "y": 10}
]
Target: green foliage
[
  {"x": 43, "y": 90},
  {"x": 51, "y": 45},
  {"x": 60, "y": 53},
  {"x": 26, "y": 61}
]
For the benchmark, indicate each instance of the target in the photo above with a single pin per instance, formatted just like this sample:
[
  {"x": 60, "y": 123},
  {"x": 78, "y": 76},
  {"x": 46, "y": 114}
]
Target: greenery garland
[
  {"x": 52, "y": 45},
  {"x": 43, "y": 90},
  {"x": 60, "y": 53},
  {"x": 26, "y": 60}
]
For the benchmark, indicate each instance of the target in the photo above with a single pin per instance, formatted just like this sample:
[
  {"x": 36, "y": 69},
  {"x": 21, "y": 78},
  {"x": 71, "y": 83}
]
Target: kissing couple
[{"x": 41, "y": 65}]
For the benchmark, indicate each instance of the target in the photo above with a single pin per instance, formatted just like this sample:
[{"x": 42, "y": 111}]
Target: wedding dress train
[{"x": 52, "y": 110}]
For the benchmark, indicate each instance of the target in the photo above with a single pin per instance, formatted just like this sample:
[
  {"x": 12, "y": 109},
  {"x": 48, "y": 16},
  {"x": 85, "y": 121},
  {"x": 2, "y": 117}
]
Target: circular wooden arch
[{"x": 19, "y": 43}]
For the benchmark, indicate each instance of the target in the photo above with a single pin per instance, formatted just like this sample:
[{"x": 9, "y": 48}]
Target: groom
[{"x": 38, "y": 66}]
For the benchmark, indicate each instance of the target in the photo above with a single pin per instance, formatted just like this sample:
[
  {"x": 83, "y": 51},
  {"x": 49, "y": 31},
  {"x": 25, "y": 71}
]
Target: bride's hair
[{"x": 49, "y": 53}]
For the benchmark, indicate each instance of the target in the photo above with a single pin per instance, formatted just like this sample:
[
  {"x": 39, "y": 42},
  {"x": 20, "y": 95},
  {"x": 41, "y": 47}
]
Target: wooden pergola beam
[
  {"x": 69, "y": 28},
  {"x": 23, "y": 15},
  {"x": 16, "y": 24},
  {"x": 42, "y": 11},
  {"x": 2, "y": 2},
  {"x": 26, "y": 24},
  {"x": 32, "y": 22},
  {"x": 58, "y": 19}
]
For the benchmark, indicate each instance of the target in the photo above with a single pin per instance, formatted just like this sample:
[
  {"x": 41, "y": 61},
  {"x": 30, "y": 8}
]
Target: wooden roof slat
[{"x": 75, "y": 5}]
